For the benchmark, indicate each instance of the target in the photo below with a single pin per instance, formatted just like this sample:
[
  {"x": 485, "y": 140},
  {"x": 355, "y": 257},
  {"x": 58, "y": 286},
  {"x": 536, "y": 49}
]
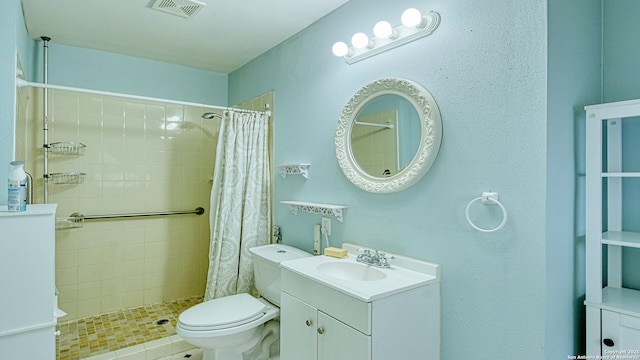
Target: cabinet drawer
[
  {"x": 620, "y": 332},
  {"x": 353, "y": 312},
  {"x": 631, "y": 322}
]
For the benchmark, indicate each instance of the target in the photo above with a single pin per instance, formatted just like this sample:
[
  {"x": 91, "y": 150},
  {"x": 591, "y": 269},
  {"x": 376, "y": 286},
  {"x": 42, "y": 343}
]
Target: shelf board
[
  {"x": 620, "y": 300},
  {"x": 621, "y": 238},
  {"x": 614, "y": 110},
  {"x": 315, "y": 208},
  {"x": 620, "y": 174}
]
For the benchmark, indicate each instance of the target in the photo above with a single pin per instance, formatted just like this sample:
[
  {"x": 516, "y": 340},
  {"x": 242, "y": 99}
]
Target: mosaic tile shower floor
[{"x": 104, "y": 333}]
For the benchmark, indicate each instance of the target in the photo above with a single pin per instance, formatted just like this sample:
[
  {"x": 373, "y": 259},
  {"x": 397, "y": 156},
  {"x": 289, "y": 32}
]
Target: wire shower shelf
[
  {"x": 67, "y": 178},
  {"x": 67, "y": 148}
]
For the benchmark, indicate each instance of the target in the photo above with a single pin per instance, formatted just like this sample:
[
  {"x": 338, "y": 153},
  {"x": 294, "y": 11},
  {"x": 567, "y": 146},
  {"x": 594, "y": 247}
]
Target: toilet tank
[{"x": 266, "y": 268}]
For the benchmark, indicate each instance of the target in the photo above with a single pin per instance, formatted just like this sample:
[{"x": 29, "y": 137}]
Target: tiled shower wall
[{"x": 141, "y": 156}]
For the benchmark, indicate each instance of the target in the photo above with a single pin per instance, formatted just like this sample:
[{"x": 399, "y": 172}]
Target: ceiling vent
[{"x": 182, "y": 8}]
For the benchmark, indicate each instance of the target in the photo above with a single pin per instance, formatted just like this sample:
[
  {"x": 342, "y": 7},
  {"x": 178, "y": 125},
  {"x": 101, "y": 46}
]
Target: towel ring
[{"x": 490, "y": 198}]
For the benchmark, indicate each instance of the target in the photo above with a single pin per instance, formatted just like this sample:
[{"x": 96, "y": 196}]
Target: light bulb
[
  {"x": 360, "y": 40},
  {"x": 382, "y": 29},
  {"x": 340, "y": 49},
  {"x": 411, "y": 17}
]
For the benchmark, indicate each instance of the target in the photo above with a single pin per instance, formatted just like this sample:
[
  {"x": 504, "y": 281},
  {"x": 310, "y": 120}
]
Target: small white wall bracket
[{"x": 294, "y": 169}]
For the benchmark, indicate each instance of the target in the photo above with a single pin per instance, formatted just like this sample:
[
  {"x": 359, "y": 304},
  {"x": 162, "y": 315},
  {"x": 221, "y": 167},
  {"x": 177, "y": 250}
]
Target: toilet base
[
  {"x": 230, "y": 347},
  {"x": 259, "y": 348},
  {"x": 221, "y": 354}
]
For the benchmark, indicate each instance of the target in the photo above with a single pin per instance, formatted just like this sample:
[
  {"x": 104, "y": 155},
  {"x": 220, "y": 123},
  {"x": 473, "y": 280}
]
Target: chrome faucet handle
[
  {"x": 365, "y": 256},
  {"x": 384, "y": 262},
  {"x": 382, "y": 259},
  {"x": 364, "y": 253}
]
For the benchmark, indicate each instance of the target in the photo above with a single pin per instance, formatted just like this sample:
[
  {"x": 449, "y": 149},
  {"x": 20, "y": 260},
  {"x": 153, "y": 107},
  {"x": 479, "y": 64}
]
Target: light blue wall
[
  {"x": 574, "y": 81},
  {"x": 621, "y": 75},
  {"x": 486, "y": 67},
  {"x": 12, "y": 40},
  {"x": 94, "y": 69},
  {"x": 26, "y": 47}
]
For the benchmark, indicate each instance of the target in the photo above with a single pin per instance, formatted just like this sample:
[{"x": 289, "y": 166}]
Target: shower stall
[{"x": 139, "y": 156}]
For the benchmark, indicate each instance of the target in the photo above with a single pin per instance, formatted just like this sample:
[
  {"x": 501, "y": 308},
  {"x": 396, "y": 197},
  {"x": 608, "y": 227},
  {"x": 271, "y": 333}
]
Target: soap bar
[{"x": 335, "y": 252}]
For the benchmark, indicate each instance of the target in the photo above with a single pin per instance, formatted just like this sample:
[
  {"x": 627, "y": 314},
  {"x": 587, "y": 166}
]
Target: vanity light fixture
[{"x": 414, "y": 26}]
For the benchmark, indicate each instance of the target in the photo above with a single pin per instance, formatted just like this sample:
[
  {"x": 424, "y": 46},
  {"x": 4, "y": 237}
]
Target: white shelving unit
[{"x": 613, "y": 312}]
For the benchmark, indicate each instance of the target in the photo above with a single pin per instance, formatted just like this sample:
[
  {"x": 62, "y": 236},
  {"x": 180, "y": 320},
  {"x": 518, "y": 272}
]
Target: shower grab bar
[{"x": 197, "y": 211}]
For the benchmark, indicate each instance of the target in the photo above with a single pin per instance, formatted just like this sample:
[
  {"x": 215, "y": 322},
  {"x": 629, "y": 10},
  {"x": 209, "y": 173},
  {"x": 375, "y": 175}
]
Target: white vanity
[
  {"x": 27, "y": 275},
  {"x": 341, "y": 309}
]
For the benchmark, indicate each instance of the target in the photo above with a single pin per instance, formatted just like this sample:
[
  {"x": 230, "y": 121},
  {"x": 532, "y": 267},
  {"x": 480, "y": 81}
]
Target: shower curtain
[{"x": 240, "y": 202}]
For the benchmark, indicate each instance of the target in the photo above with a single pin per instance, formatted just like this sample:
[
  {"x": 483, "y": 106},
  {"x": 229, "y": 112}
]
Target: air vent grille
[{"x": 182, "y": 8}]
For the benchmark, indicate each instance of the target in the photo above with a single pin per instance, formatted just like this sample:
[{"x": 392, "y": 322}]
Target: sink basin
[
  {"x": 362, "y": 281},
  {"x": 354, "y": 271}
]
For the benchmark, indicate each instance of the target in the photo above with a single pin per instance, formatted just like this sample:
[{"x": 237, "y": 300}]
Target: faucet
[{"x": 376, "y": 259}]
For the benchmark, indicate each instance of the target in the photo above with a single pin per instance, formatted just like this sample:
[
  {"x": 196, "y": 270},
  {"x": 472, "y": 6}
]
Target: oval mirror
[{"x": 388, "y": 135}]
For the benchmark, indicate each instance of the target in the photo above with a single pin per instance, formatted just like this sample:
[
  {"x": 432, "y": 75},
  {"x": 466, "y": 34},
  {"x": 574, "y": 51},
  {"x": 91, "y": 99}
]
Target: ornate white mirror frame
[{"x": 430, "y": 137}]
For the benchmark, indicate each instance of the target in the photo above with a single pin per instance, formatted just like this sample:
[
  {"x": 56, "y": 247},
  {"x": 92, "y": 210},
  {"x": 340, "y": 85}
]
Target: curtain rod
[{"x": 23, "y": 83}]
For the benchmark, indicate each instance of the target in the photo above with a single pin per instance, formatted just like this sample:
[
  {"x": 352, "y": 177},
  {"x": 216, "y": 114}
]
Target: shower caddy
[
  {"x": 613, "y": 311},
  {"x": 70, "y": 148}
]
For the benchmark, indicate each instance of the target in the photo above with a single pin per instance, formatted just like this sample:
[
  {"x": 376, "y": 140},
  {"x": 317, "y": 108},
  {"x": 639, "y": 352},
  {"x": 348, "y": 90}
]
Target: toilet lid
[{"x": 223, "y": 312}]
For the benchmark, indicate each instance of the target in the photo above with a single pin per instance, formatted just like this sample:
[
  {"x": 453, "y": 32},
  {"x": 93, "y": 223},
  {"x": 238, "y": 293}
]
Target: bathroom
[{"x": 510, "y": 79}]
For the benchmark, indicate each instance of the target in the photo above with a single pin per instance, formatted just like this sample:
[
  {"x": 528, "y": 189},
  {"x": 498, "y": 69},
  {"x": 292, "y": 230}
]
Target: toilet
[{"x": 238, "y": 327}]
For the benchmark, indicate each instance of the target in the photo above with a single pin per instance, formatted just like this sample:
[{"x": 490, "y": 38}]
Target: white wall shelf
[
  {"x": 606, "y": 307},
  {"x": 294, "y": 169},
  {"x": 315, "y": 208}
]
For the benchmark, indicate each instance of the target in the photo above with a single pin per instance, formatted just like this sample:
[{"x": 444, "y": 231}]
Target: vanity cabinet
[
  {"x": 27, "y": 280},
  {"x": 320, "y": 322},
  {"x": 314, "y": 335},
  {"x": 613, "y": 311}
]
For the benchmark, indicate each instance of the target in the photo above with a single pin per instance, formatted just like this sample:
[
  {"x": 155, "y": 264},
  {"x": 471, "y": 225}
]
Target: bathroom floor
[{"x": 104, "y": 333}]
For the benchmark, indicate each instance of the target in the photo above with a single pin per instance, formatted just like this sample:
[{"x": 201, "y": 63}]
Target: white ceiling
[{"x": 222, "y": 37}]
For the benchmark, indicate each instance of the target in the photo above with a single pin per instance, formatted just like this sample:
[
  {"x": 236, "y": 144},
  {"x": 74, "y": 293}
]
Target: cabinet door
[
  {"x": 620, "y": 332},
  {"x": 298, "y": 324},
  {"x": 338, "y": 341}
]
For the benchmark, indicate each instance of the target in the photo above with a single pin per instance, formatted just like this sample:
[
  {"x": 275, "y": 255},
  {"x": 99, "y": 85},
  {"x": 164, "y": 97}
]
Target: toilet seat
[{"x": 222, "y": 313}]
